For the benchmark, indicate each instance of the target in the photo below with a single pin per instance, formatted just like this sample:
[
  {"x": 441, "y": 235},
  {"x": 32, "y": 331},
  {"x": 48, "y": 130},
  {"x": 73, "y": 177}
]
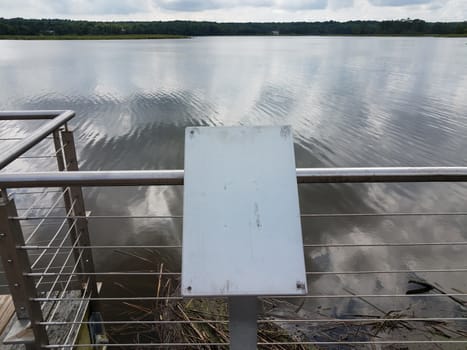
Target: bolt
[
  {"x": 300, "y": 285},
  {"x": 9, "y": 261},
  {"x": 16, "y": 285},
  {"x": 22, "y": 308},
  {"x": 2, "y": 235},
  {"x": 188, "y": 288}
]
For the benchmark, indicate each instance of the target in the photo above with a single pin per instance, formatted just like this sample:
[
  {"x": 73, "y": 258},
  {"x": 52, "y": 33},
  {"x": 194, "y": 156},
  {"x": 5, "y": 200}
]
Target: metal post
[
  {"x": 76, "y": 195},
  {"x": 243, "y": 327},
  {"x": 16, "y": 264},
  {"x": 60, "y": 154}
]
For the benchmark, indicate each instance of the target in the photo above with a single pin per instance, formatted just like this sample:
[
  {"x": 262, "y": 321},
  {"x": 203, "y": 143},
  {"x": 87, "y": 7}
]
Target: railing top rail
[
  {"x": 382, "y": 174},
  {"x": 57, "y": 119},
  {"x": 175, "y": 177},
  {"x": 30, "y": 115}
]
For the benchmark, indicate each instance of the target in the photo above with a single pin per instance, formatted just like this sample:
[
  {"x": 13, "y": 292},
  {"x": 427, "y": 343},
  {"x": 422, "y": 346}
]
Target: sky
[{"x": 237, "y": 10}]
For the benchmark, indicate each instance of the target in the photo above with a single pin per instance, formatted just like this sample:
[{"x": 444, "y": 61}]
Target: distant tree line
[{"x": 20, "y": 26}]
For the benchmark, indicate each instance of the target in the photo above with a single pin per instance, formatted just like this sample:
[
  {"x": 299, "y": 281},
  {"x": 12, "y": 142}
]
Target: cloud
[
  {"x": 237, "y": 10},
  {"x": 399, "y": 2},
  {"x": 76, "y": 7},
  {"x": 190, "y": 5},
  {"x": 340, "y": 4},
  {"x": 203, "y": 5},
  {"x": 99, "y": 7},
  {"x": 301, "y": 4}
]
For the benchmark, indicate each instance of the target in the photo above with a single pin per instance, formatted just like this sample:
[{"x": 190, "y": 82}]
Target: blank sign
[{"x": 241, "y": 218}]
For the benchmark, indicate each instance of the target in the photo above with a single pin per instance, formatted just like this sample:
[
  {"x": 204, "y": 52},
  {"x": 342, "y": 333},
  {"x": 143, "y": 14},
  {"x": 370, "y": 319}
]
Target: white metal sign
[{"x": 241, "y": 218}]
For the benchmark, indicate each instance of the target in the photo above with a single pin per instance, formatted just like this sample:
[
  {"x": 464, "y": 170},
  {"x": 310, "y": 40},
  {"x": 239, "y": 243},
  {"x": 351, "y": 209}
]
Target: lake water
[{"x": 352, "y": 102}]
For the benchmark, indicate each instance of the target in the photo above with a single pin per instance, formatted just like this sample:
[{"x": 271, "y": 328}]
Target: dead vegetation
[{"x": 205, "y": 321}]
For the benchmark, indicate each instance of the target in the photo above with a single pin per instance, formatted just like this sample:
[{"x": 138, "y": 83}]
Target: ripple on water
[{"x": 350, "y": 101}]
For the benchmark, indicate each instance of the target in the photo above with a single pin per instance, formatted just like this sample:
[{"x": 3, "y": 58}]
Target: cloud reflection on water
[{"x": 350, "y": 101}]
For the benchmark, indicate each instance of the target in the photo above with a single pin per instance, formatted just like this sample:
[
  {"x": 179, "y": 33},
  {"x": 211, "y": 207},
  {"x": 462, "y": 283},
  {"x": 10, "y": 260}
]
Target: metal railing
[{"x": 47, "y": 259}]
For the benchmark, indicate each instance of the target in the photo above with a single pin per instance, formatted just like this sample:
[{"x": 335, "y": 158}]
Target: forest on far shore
[{"x": 58, "y": 27}]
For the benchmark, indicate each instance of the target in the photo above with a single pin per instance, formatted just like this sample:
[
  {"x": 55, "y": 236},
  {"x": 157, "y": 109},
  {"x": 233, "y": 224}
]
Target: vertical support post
[
  {"x": 243, "y": 326},
  {"x": 70, "y": 163},
  {"x": 16, "y": 264},
  {"x": 59, "y": 151}
]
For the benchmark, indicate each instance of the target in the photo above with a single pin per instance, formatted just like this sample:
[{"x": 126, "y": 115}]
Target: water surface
[{"x": 352, "y": 102}]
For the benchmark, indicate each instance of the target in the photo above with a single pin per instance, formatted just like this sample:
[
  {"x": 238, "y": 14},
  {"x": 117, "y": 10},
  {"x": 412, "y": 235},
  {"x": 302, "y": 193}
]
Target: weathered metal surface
[
  {"x": 82, "y": 231},
  {"x": 241, "y": 218},
  {"x": 16, "y": 264},
  {"x": 60, "y": 148}
]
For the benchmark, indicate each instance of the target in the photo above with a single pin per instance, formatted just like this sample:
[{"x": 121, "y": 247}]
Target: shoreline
[
  {"x": 94, "y": 37},
  {"x": 174, "y": 36}
]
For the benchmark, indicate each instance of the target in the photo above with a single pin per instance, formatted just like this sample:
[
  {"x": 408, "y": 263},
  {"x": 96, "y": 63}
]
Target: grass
[{"x": 93, "y": 37}]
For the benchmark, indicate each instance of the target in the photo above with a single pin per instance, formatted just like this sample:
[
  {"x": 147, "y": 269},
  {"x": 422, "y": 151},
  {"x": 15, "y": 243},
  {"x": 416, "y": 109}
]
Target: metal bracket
[{"x": 21, "y": 332}]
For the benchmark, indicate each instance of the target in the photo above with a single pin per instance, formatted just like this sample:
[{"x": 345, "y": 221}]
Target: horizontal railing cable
[
  {"x": 316, "y": 296},
  {"x": 40, "y": 247},
  {"x": 150, "y": 273},
  {"x": 60, "y": 217},
  {"x": 386, "y": 244},
  {"x": 311, "y": 245},
  {"x": 373, "y": 342},
  {"x": 337, "y": 215},
  {"x": 345, "y": 215},
  {"x": 27, "y": 193},
  {"x": 36, "y": 157},
  {"x": 267, "y": 320},
  {"x": 38, "y": 208}
]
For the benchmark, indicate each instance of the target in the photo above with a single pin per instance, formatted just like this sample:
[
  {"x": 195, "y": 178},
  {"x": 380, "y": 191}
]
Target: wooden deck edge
[{"x": 7, "y": 310}]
